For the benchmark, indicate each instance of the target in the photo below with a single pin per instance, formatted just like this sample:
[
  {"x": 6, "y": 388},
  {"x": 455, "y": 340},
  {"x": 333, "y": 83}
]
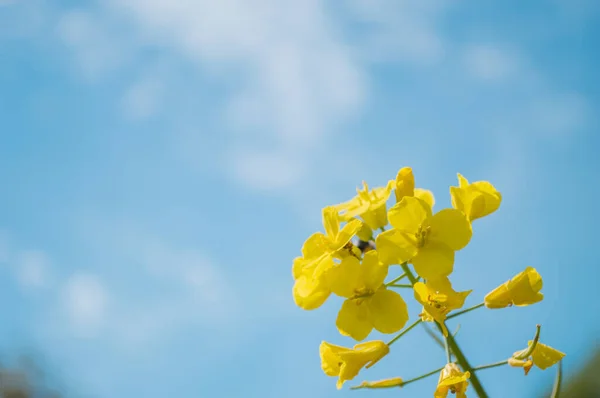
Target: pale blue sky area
[{"x": 162, "y": 162}]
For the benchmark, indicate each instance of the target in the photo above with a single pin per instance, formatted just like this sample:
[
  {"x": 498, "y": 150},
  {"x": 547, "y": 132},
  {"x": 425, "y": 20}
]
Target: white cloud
[
  {"x": 489, "y": 62},
  {"x": 85, "y": 299},
  {"x": 398, "y": 31},
  {"x": 142, "y": 99},
  {"x": 97, "y": 47},
  {"x": 32, "y": 269}
]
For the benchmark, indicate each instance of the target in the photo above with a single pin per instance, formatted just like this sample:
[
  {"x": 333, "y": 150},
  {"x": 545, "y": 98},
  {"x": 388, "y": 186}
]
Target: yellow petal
[
  {"x": 476, "y": 200},
  {"x": 545, "y": 356},
  {"x": 395, "y": 247},
  {"x": 426, "y": 196},
  {"x": 314, "y": 246},
  {"x": 298, "y": 266},
  {"x": 524, "y": 288},
  {"x": 309, "y": 293},
  {"x": 376, "y": 217},
  {"x": 348, "y": 231},
  {"x": 434, "y": 261},
  {"x": 331, "y": 222},
  {"x": 330, "y": 360},
  {"x": 388, "y": 311},
  {"x": 346, "y": 277},
  {"x": 498, "y": 298},
  {"x": 353, "y": 319},
  {"x": 365, "y": 233},
  {"x": 409, "y": 214},
  {"x": 384, "y": 383},
  {"x": 373, "y": 272},
  {"x": 405, "y": 183},
  {"x": 451, "y": 227}
]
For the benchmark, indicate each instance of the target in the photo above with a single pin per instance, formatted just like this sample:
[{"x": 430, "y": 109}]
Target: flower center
[
  {"x": 362, "y": 293},
  {"x": 438, "y": 304},
  {"x": 422, "y": 235}
]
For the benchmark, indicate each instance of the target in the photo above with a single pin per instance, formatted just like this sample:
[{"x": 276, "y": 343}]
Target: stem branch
[
  {"x": 453, "y": 346},
  {"x": 465, "y": 311}
]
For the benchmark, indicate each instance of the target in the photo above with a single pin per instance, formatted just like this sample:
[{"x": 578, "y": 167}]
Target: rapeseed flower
[
  {"x": 425, "y": 239},
  {"x": 543, "y": 356},
  {"x": 438, "y": 299},
  {"x": 368, "y": 303},
  {"x": 405, "y": 186},
  {"x": 522, "y": 290},
  {"x": 345, "y": 363},
  {"x": 452, "y": 380},
  {"x": 368, "y": 204},
  {"x": 477, "y": 199}
]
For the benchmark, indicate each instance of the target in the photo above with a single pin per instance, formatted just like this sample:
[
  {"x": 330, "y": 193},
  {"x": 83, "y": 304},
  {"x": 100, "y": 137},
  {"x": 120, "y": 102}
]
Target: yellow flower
[
  {"x": 523, "y": 289},
  {"x": 543, "y": 357},
  {"x": 428, "y": 241},
  {"x": 405, "y": 186},
  {"x": 345, "y": 363},
  {"x": 368, "y": 303},
  {"x": 369, "y": 205},
  {"x": 452, "y": 380},
  {"x": 310, "y": 288},
  {"x": 477, "y": 199},
  {"x": 385, "y": 383},
  {"x": 438, "y": 299}
]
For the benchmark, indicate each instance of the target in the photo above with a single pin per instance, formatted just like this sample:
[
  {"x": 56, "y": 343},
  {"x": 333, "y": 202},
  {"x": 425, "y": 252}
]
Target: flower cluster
[{"x": 363, "y": 239}]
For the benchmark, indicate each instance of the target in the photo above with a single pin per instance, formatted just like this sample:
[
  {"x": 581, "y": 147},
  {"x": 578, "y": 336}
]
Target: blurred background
[{"x": 162, "y": 162}]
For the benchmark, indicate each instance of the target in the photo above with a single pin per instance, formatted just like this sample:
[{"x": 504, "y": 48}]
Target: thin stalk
[
  {"x": 491, "y": 365},
  {"x": 465, "y": 311},
  {"x": 396, "y": 280},
  {"x": 423, "y": 376},
  {"x": 432, "y": 334},
  {"x": 448, "y": 354},
  {"x": 402, "y": 333},
  {"x": 557, "y": 382},
  {"x": 399, "y": 285}
]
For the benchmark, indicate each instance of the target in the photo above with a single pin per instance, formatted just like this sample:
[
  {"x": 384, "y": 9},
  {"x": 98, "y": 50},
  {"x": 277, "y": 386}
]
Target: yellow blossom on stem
[
  {"x": 310, "y": 289},
  {"x": 543, "y": 356},
  {"x": 425, "y": 239},
  {"x": 370, "y": 205},
  {"x": 345, "y": 363},
  {"x": 368, "y": 303},
  {"x": 405, "y": 186},
  {"x": 477, "y": 199},
  {"x": 523, "y": 289},
  {"x": 452, "y": 380},
  {"x": 384, "y": 383},
  {"x": 438, "y": 299}
]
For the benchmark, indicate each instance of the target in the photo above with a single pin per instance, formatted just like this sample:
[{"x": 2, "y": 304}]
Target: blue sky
[{"x": 161, "y": 163}]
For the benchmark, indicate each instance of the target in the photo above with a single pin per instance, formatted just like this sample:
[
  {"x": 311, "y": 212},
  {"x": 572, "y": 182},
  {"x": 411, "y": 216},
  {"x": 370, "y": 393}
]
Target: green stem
[
  {"x": 402, "y": 333},
  {"x": 409, "y": 274},
  {"x": 491, "y": 365},
  {"x": 453, "y": 346},
  {"x": 396, "y": 279},
  {"x": 448, "y": 355},
  {"x": 465, "y": 311},
  {"x": 422, "y": 376},
  {"x": 433, "y": 335},
  {"x": 464, "y": 364},
  {"x": 527, "y": 353},
  {"x": 557, "y": 381},
  {"x": 399, "y": 285}
]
